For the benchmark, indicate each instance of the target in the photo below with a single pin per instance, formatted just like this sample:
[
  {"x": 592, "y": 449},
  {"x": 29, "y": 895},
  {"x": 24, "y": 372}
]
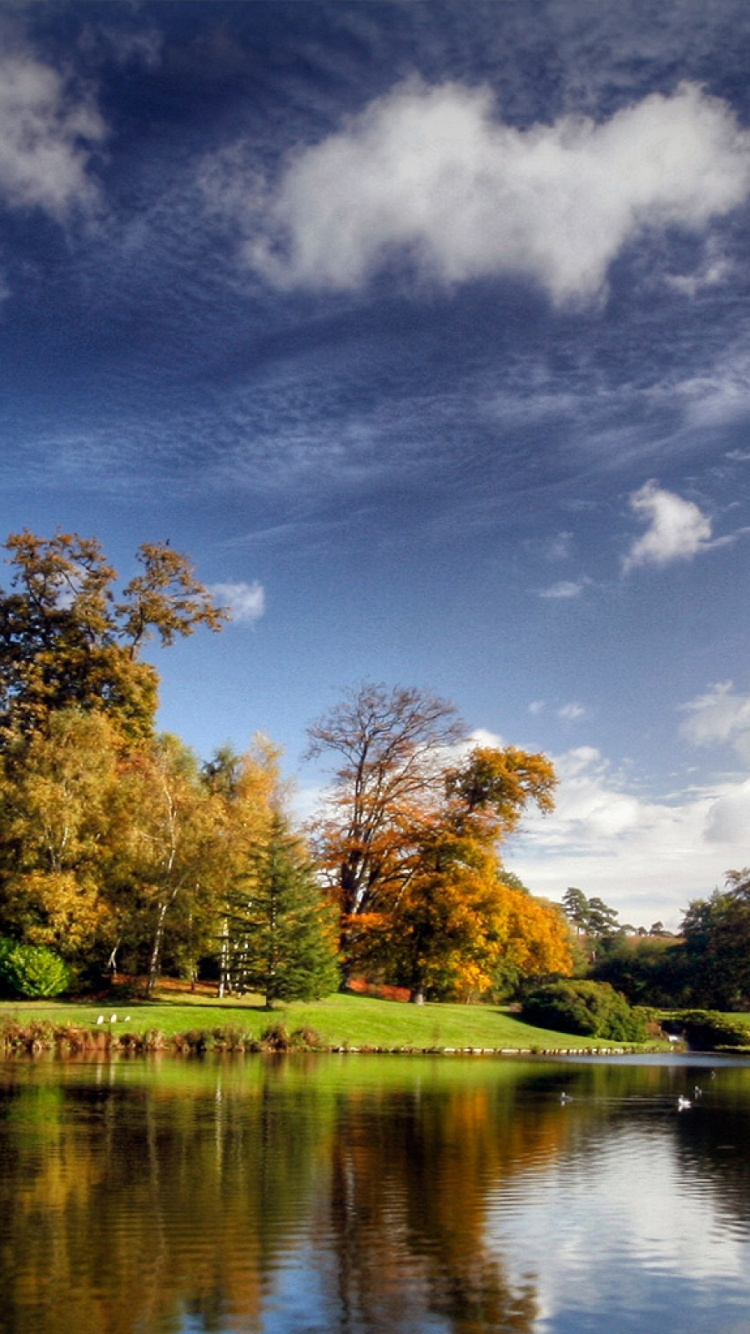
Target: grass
[{"x": 341, "y": 1022}]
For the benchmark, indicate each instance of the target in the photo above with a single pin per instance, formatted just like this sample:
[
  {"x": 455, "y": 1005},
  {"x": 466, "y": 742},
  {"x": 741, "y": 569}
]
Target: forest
[{"x": 124, "y": 853}]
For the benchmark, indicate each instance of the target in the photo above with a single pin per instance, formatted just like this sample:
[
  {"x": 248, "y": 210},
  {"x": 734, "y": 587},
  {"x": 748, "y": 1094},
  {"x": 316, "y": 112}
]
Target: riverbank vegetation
[{"x": 177, "y": 1020}]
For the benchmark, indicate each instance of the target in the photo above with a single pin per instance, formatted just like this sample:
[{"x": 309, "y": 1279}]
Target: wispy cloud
[
  {"x": 432, "y": 173},
  {"x": 571, "y": 713},
  {"x": 246, "y": 602},
  {"x": 677, "y": 528},
  {"x": 565, "y": 588}
]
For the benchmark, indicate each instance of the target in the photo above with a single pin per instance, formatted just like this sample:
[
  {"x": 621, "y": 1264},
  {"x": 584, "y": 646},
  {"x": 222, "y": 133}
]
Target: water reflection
[{"x": 345, "y": 1194}]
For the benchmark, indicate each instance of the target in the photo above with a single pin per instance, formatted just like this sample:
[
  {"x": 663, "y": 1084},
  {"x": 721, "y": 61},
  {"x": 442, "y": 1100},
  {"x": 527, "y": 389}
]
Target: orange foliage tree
[{"x": 410, "y": 841}]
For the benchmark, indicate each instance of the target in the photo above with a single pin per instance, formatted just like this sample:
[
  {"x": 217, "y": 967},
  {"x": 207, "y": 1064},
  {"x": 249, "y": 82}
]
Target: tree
[
  {"x": 410, "y": 838},
  {"x": 577, "y": 908},
  {"x": 57, "y": 803},
  {"x": 464, "y": 927},
  {"x": 66, "y": 642},
  {"x": 393, "y": 744},
  {"x": 716, "y": 939},
  {"x": 649, "y": 970},
  {"x": 281, "y": 932},
  {"x": 593, "y": 919},
  {"x": 168, "y": 861}
]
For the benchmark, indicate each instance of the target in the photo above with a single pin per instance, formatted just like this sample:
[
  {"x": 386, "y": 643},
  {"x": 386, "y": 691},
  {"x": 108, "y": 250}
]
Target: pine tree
[{"x": 280, "y": 931}]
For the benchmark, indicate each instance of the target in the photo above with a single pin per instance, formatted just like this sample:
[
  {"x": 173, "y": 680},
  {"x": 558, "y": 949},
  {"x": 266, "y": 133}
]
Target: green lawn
[{"x": 341, "y": 1021}]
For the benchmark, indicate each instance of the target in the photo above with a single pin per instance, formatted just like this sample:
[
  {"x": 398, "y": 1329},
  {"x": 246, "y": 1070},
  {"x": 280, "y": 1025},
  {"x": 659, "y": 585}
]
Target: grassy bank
[{"x": 341, "y": 1022}]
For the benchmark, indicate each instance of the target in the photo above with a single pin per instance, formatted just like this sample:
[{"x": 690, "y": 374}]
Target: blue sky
[{"x": 424, "y": 329}]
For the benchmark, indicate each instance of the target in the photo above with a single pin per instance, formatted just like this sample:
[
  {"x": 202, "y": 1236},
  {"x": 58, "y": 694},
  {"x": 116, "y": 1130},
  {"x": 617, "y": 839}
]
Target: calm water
[{"x": 374, "y": 1194}]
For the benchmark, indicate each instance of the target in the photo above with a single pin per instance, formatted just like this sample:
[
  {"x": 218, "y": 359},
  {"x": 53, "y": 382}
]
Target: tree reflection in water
[{"x": 337, "y": 1194}]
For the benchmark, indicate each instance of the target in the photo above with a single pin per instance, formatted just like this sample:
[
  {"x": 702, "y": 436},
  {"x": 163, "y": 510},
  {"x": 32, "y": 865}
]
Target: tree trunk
[{"x": 153, "y": 967}]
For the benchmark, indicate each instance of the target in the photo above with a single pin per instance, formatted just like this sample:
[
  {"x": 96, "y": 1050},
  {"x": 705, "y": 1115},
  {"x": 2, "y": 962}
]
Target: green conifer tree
[{"x": 280, "y": 930}]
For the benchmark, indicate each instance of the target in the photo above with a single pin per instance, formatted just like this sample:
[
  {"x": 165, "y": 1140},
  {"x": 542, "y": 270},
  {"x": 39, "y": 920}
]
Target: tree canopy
[
  {"x": 67, "y": 641},
  {"x": 716, "y": 936}
]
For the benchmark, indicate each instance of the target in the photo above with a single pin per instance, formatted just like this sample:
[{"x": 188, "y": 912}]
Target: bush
[
  {"x": 706, "y": 1030},
  {"x": 590, "y": 1009},
  {"x": 31, "y": 971}
]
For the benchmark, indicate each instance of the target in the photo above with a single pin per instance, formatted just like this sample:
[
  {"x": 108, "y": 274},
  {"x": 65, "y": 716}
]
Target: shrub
[
  {"x": 590, "y": 1009},
  {"x": 705, "y": 1030},
  {"x": 275, "y": 1037},
  {"x": 31, "y": 971}
]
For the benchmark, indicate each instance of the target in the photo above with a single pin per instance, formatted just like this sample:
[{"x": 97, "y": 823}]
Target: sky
[{"x": 424, "y": 329}]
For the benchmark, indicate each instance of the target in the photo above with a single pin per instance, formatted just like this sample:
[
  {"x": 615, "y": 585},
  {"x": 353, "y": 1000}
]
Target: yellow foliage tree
[{"x": 56, "y": 803}]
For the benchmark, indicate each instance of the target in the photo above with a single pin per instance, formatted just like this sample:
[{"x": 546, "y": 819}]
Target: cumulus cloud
[
  {"x": 647, "y": 857},
  {"x": 433, "y": 174},
  {"x": 729, "y": 818},
  {"x": 677, "y": 528},
  {"x": 47, "y": 132},
  {"x": 721, "y": 716},
  {"x": 246, "y": 602}
]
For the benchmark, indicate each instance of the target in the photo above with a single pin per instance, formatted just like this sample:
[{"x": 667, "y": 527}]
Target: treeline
[
  {"x": 706, "y": 965},
  {"x": 121, "y": 851}
]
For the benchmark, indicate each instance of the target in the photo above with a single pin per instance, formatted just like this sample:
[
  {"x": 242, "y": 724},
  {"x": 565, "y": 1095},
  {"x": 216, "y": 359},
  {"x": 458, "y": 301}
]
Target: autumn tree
[
  {"x": 168, "y": 860},
  {"x": 67, "y": 641},
  {"x": 410, "y": 838},
  {"x": 247, "y": 791},
  {"x": 57, "y": 806},
  {"x": 392, "y": 747},
  {"x": 463, "y": 927},
  {"x": 280, "y": 929}
]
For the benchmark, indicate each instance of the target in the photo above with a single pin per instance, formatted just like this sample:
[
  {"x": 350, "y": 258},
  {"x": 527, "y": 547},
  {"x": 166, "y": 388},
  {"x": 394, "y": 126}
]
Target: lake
[{"x": 352, "y": 1194}]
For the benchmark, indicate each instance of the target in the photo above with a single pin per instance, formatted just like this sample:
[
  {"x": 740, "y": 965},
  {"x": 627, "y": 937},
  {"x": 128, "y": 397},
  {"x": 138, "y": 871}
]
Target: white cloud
[
  {"x": 729, "y": 819},
  {"x": 566, "y": 588},
  {"x": 46, "y": 135},
  {"x": 431, "y": 173},
  {"x": 491, "y": 740},
  {"x": 677, "y": 529},
  {"x": 647, "y": 858},
  {"x": 721, "y": 716},
  {"x": 570, "y": 713},
  {"x": 246, "y": 602}
]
